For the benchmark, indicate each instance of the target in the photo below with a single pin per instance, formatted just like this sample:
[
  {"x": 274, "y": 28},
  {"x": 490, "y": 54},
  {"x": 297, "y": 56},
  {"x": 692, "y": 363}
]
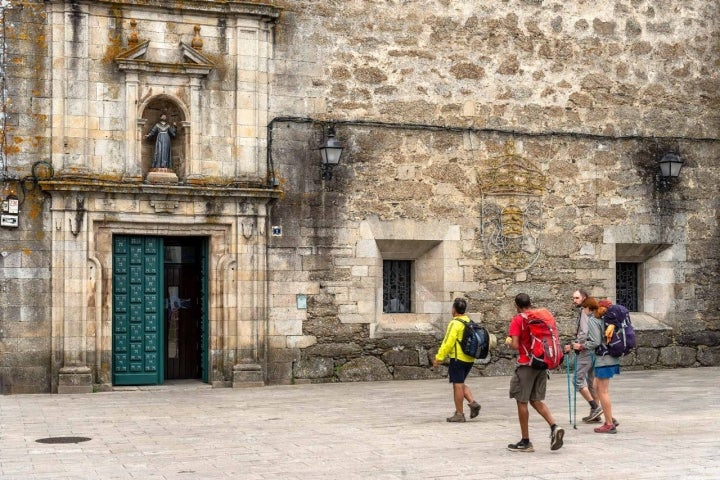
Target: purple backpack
[{"x": 622, "y": 341}]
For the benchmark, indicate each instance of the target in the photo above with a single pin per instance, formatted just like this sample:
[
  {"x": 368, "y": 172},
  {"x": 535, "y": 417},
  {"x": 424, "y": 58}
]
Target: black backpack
[{"x": 475, "y": 340}]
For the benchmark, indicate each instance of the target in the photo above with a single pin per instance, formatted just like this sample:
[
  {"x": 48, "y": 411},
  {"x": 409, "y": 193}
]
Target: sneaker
[
  {"x": 474, "y": 409},
  {"x": 556, "y": 438},
  {"x": 521, "y": 447},
  {"x": 615, "y": 422},
  {"x": 606, "y": 429},
  {"x": 594, "y": 415},
  {"x": 458, "y": 417}
]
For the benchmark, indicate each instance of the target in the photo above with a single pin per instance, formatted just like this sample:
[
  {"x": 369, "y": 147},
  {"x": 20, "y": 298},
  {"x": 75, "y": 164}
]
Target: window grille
[
  {"x": 626, "y": 285},
  {"x": 396, "y": 286}
]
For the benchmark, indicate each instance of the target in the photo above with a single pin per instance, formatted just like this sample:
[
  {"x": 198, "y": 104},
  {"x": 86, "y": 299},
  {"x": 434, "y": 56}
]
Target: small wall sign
[{"x": 9, "y": 220}]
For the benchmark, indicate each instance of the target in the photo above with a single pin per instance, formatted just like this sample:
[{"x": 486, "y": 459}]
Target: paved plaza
[{"x": 669, "y": 421}]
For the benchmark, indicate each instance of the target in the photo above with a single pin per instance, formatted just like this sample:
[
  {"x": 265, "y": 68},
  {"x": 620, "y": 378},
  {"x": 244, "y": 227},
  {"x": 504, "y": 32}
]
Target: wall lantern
[
  {"x": 670, "y": 165},
  {"x": 330, "y": 152}
]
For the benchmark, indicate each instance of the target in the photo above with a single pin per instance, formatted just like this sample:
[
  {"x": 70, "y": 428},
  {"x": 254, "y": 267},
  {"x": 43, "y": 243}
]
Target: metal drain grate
[{"x": 63, "y": 439}]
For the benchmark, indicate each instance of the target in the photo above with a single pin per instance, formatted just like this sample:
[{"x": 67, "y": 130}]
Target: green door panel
[
  {"x": 204, "y": 340},
  {"x": 137, "y": 310}
]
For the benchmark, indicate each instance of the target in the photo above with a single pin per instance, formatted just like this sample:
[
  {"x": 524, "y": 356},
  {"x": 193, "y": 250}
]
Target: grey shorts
[
  {"x": 528, "y": 384},
  {"x": 585, "y": 371}
]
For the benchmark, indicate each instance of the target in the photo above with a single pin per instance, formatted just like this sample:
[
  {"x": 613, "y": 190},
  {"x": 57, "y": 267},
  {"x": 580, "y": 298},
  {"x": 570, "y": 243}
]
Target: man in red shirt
[{"x": 528, "y": 384}]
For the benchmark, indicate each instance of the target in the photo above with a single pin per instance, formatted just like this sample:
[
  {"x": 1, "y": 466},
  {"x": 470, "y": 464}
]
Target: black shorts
[{"x": 459, "y": 370}]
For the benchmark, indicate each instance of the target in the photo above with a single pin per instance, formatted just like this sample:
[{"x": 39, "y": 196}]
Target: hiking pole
[
  {"x": 575, "y": 355},
  {"x": 567, "y": 370}
]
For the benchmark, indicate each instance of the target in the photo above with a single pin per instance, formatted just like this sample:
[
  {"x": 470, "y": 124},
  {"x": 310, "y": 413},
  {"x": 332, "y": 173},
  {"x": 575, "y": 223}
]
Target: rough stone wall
[
  {"x": 427, "y": 96},
  {"x": 25, "y": 333},
  {"x": 590, "y": 93}
]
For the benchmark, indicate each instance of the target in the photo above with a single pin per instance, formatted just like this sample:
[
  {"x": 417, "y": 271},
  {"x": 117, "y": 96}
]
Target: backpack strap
[
  {"x": 525, "y": 324},
  {"x": 458, "y": 340},
  {"x": 577, "y": 321}
]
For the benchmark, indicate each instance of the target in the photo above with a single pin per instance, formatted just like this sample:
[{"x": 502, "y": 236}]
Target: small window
[
  {"x": 396, "y": 286},
  {"x": 626, "y": 285}
]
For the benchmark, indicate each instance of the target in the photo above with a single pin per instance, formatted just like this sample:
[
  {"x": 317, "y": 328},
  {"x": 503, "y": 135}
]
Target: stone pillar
[
  {"x": 249, "y": 371},
  {"x": 253, "y": 53},
  {"x": 133, "y": 129},
  {"x": 76, "y": 92},
  {"x": 192, "y": 156},
  {"x": 69, "y": 290},
  {"x": 56, "y": 17}
]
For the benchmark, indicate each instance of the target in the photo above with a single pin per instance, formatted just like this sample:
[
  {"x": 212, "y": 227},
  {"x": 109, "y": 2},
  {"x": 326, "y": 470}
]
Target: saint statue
[{"x": 162, "y": 131}]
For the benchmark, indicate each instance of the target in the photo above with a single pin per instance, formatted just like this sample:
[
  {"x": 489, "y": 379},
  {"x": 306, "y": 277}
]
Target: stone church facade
[{"x": 489, "y": 149}]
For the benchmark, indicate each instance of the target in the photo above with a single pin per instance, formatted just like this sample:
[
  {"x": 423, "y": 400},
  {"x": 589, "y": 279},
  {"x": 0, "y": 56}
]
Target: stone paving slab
[{"x": 381, "y": 430}]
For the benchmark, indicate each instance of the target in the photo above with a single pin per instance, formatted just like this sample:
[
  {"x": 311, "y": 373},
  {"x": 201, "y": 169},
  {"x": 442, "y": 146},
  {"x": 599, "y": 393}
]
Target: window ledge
[
  {"x": 645, "y": 321},
  {"x": 406, "y": 322}
]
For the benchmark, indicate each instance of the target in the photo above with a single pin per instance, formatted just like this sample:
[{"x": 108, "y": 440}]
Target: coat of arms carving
[{"x": 511, "y": 212}]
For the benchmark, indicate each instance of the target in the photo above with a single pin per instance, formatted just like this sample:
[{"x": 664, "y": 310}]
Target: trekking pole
[
  {"x": 575, "y": 394},
  {"x": 567, "y": 370}
]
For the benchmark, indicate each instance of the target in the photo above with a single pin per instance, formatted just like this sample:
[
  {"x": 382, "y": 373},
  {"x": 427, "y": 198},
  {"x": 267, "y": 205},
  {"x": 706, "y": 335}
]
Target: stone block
[
  {"x": 314, "y": 368},
  {"x": 333, "y": 350},
  {"x": 280, "y": 373},
  {"x": 75, "y": 380},
  {"x": 708, "y": 338},
  {"x": 364, "y": 369},
  {"x": 646, "y": 356},
  {"x": 301, "y": 341},
  {"x": 653, "y": 338},
  {"x": 401, "y": 357},
  {"x": 676, "y": 356},
  {"x": 247, "y": 375},
  {"x": 708, "y": 356}
]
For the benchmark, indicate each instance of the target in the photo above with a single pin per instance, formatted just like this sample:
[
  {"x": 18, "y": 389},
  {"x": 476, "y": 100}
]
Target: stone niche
[{"x": 175, "y": 117}]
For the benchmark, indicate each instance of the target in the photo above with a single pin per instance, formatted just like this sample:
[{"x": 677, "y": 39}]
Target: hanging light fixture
[
  {"x": 670, "y": 165},
  {"x": 330, "y": 152}
]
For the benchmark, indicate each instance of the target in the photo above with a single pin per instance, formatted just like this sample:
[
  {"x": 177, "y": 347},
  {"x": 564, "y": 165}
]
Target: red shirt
[{"x": 518, "y": 328}]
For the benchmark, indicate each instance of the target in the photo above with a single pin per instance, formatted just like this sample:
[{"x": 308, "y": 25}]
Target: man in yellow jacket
[{"x": 460, "y": 363}]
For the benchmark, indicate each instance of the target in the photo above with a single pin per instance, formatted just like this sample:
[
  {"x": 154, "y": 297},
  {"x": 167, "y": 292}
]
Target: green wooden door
[{"x": 137, "y": 310}]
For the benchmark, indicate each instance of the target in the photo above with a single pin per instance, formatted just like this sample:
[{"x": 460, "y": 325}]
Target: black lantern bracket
[
  {"x": 670, "y": 164},
  {"x": 330, "y": 152}
]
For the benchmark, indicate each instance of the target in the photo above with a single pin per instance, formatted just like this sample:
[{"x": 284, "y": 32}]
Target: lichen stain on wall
[{"x": 114, "y": 36}]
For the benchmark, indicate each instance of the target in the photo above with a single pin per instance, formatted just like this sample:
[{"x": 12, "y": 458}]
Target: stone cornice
[
  {"x": 183, "y": 69},
  {"x": 265, "y": 11},
  {"x": 176, "y": 191}
]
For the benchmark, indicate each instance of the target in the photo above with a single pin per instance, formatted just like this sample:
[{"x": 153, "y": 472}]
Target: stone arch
[{"x": 150, "y": 112}]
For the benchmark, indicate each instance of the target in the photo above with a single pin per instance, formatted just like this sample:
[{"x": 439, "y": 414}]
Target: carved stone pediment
[{"x": 193, "y": 63}]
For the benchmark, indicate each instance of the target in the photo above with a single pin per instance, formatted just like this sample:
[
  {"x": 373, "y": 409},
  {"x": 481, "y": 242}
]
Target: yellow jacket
[{"x": 451, "y": 343}]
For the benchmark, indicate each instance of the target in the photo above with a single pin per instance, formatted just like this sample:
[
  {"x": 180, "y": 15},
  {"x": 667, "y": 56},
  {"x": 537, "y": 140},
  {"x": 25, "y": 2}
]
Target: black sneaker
[
  {"x": 556, "y": 438},
  {"x": 521, "y": 447}
]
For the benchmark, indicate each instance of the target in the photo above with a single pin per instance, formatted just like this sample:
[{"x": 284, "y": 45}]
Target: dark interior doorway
[{"x": 184, "y": 297}]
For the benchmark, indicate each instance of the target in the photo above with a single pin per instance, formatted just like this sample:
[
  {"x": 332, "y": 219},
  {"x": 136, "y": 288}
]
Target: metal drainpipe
[
  {"x": 4, "y": 5},
  {"x": 266, "y": 292}
]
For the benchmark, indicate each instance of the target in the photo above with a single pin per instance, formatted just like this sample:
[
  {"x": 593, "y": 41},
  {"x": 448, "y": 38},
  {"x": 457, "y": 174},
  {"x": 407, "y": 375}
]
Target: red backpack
[{"x": 545, "y": 349}]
